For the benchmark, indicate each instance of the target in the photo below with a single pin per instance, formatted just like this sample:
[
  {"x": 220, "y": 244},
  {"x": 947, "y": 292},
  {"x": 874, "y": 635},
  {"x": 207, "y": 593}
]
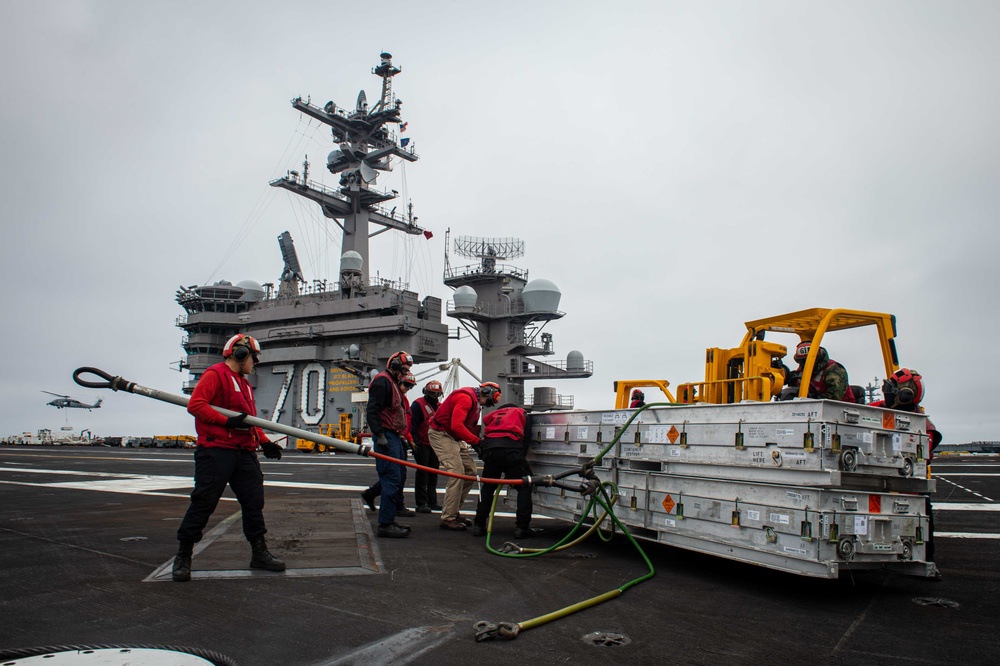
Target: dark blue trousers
[{"x": 390, "y": 475}]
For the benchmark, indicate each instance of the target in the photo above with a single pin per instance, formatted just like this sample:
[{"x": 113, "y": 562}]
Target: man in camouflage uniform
[{"x": 829, "y": 378}]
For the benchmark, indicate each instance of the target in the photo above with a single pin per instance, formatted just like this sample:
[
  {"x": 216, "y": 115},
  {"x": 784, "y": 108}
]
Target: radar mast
[{"x": 506, "y": 314}]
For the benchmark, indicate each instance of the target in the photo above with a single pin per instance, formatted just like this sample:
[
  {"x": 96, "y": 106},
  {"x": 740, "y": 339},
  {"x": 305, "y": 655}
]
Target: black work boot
[
  {"x": 262, "y": 557},
  {"x": 393, "y": 531},
  {"x": 182, "y": 563}
]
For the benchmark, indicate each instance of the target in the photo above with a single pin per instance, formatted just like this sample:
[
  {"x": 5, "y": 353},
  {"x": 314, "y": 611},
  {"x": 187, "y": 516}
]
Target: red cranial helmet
[
  {"x": 907, "y": 386},
  {"x": 434, "y": 388},
  {"x": 398, "y": 361},
  {"x": 240, "y": 346}
]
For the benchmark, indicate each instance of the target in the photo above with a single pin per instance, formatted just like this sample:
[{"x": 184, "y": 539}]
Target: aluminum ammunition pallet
[
  {"x": 819, "y": 443},
  {"x": 807, "y": 531},
  {"x": 806, "y": 486}
]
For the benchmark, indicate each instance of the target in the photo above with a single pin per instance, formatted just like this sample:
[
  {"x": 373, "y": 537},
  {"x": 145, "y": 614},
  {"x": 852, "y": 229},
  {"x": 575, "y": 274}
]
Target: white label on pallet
[
  {"x": 795, "y": 496},
  {"x": 861, "y": 525},
  {"x": 614, "y": 417},
  {"x": 784, "y": 431},
  {"x": 778, "y": 518},
  {"x": 582, "y": 432},
  {"x": 670, "y": 522},
  {"x": 753, "y": 515},
  {"x": 866, "y": 437},
  {"x": 674, "y": 451},
  {"x": 897, "y": 442},
  {"x": 657, "y": 435},
  {"x": 550, "y": 432}
]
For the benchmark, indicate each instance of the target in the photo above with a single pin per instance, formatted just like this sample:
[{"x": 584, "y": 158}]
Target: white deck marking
[
  {"x": 146, "y": 484},
  {"x": 961, "y": 506},
  {"x": 964, "y": 535},
  {"x": 968, "y": 490}
]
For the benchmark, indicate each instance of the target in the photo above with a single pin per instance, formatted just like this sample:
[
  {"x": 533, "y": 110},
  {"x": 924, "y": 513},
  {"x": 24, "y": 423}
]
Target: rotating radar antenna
[{"x": 489, "y": 250}]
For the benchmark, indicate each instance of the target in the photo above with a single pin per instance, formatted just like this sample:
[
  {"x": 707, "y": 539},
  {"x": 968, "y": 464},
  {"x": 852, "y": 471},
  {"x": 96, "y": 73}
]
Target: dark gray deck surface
[{"x": 85, "y": 533}]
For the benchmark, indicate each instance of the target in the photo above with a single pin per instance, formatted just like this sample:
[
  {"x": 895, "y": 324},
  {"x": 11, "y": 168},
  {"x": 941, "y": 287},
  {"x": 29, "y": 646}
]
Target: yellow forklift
[
  {"x": 341, "y": 431},
  {"x": 755, "y": 370}
]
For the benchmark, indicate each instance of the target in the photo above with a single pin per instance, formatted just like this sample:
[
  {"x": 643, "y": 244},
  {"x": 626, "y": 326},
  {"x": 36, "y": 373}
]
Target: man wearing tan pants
[{"x": 451, "y": 434}]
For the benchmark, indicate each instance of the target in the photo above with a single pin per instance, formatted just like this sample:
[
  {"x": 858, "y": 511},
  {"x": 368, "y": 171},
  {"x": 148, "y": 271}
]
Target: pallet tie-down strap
[{"x": 117, "y": 383}]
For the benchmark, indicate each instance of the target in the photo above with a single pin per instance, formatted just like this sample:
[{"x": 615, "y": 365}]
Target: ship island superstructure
[{"x": 323, "y": 341}]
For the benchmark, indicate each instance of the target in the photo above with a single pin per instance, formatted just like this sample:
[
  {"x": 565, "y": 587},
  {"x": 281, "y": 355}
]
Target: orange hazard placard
[
  {"x": 888, "y": 420},
  {"x": 874, "y": 504},
  {"x": 668, "y": 503},
  {"x": 673, "y": 434}
]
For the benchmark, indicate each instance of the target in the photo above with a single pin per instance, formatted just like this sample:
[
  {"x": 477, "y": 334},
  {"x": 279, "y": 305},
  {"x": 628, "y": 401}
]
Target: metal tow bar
[{"x": 118, "y": 384}]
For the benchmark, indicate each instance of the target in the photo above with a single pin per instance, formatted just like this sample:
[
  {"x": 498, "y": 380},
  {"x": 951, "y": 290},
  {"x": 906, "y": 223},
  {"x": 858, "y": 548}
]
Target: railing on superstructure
[
  {"x": 562, "y": 402},
  {"x": 317, "y": 288},
  {"x": 336, "y": 194},
  {"x": 476, "y": 270},
  {"x": 391, "y": 137},
  {"x": 505, "y": 309},
  {"x": 555, "y": 370}
]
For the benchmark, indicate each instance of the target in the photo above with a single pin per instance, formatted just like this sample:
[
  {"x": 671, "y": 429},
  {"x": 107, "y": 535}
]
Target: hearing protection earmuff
[
  {"x": 241, "y": 347},
  {"x": 490, "y": 390}
]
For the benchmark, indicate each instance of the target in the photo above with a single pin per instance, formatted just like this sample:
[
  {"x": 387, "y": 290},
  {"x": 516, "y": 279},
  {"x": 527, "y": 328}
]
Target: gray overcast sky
[{"x": 675, "y": 168}]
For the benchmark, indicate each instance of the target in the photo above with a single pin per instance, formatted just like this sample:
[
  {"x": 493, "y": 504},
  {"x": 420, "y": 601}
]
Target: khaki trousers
[{"x": 454, "y": 457}]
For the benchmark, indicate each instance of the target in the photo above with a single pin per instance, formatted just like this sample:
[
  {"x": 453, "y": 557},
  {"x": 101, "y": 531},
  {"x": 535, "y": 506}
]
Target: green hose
[{"x": 487, "y": 630}]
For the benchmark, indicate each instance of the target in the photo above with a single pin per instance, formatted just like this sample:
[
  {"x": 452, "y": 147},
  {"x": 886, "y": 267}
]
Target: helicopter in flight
[{"x": 63, "y": 401}]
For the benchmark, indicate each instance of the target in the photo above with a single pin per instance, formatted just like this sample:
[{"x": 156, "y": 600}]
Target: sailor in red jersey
[
  {"x": 386, "y": 415},
  {"x": 903, "y": 391},
  {"x": 226, "y": 455},
  {"x": 638, "y": 399},
  {"x": 375, "y": 490},
  {"x": 503, "y": 448},
  {"x": 420, "y": 418},
  {"x": 451, "y": 435}
]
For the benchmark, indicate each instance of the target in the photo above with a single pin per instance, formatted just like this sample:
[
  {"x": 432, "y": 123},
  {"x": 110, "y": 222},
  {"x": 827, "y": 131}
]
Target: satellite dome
[
  {"x": 252, "y": 291},
  {"x": 541, "y": 296},
  {"x": 250, "y": 285},
  {"x": 350, "y": 262},
  {"x": 465, "y": 297},
  {"x": 574, "y": 361},
  {"x": 335, "y": 156}
]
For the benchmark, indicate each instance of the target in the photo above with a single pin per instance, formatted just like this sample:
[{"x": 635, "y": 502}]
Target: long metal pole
[{"x": 119, "y": 384}]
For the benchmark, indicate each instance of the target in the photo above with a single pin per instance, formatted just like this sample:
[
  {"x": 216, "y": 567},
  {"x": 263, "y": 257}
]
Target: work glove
[
  {"x": 271, "y": 450},
  {"x": 237, "y": 421},
  {"x": 479, "y": 451},
  {"x": 381, "y": 440}
]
